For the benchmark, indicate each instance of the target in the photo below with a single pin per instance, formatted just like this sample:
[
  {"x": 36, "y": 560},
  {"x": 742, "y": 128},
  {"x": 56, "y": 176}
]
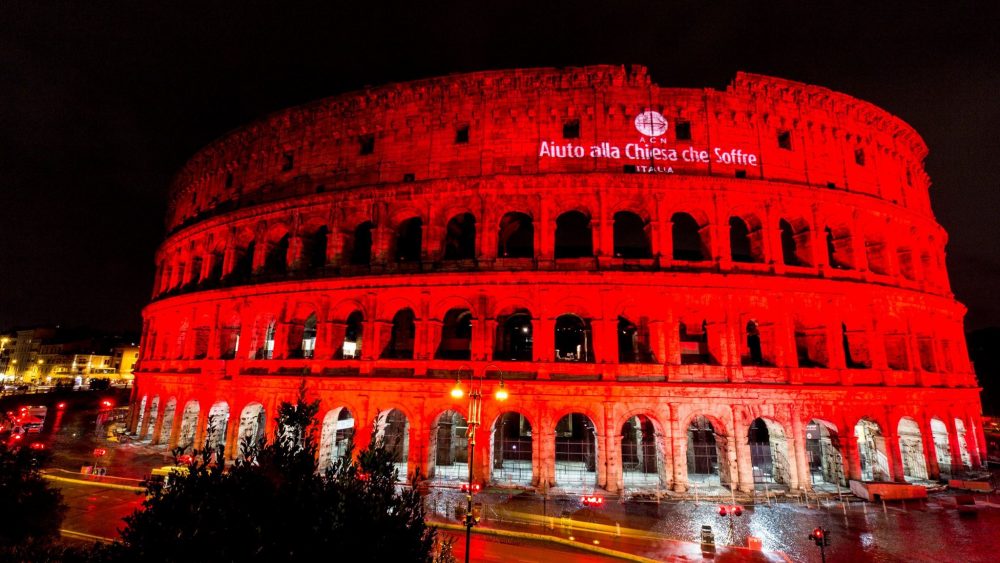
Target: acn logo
[{"x": 651, "y": 123}]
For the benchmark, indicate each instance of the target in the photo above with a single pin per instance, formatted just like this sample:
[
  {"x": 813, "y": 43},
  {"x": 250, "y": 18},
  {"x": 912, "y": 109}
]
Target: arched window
[
  {"x": 460, "y": 238},
  {"x": 276, "y": 261},
  {"x": 631, "y": 236},
  {"x": 876, "y": 254},
  {"x": 795, "y": 248},
  {"x": 243, "y": 269},
  {"x": 309, "y": 337},
  {"x": 573, "y": 236},
  {"x": 633, "y": 343},
  {"x": 839, "y": 248},
  {"x": 514, "y": 337},
  {"x": 745, "y": 240},
  {"x": 573, "y": 339},
  {"x": 408, "y": 240},
  {"x": 353, "y": 331},
  {"x": 314, "y": 253},
  {"x": 401, "y": 336},
  {"x": 753, "y": 344},
  {"x": 456, "y": 335},
  {"x": 361, "y": 245},
  {"x": 229, "y": 339},
  {"x": 516, "y": 236},
  {"x": 689, "y": 244},
  {"x": 266, "y": 351}
]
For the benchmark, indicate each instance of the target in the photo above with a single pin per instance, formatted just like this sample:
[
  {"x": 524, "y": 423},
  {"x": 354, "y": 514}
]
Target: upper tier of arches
[
  {"x": 494, "y": 123},
  {"x": 785, "y": 231}
]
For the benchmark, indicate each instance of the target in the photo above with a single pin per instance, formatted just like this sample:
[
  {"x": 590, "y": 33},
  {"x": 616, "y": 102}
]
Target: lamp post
[{"x": 473, "y": 421}]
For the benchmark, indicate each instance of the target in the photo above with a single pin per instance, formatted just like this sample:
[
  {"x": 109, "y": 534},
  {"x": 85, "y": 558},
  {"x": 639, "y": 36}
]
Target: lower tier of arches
[{"x": 591, "y": 435}]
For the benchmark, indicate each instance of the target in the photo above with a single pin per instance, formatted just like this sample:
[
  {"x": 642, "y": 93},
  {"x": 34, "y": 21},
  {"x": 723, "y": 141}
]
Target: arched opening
[
  {"x": 456, "y": 335},
  {"x": 201, "y": 341},
  {"x": 409, "y": 240},
  {"x": 904, "y": 257},
  {"x": 243, "y": 268},
  {"x": 214, "y": 270},
  {"x": 826, "y": 464},
  {"x": 641, "y": 453},
  {"x": 516, "y": 237},
  {"x": 229, "y": 338},
  {"x": 154, "y": 406},
  {"x": 876, "y": 254},
  {"x": 141, "y": 418},
  {"x": 576, "y": 451},
  {"x": 755, "y": 350},
  {"x": 855, "y": 344},
  {"x": 511, "y": 450},
  {"x": 706, "y": 454},
  {"x": 251, "y": 432},
  {"x": 942, "y": 449},
  {"x": 911, "y": 449},
  {"x": 189, "y": 424},
  {"x": 394, "y": 432},
  {"x": 401, "y": 336},
  {"x": 194, "y": 275},
  {"x": 218, "y": 421},
  {"x": 573, "y": 339},
  {"x": 314, "y": 249},
  {"x": 308, "y": 347},
  {"x": 690, "y": 238},
  {"x": 631, "y": 236},
  {"x": 769, "y": 452},
  {"x": 460, "y": 238},
  {"x": 361, "y": 245},
  {"x": 963, "y": 445},
  {"x": 350, "y": 348},
  {"x": 335, "y": 438},
  {"x": 450, "y": 447},
  {"x": 795, "y": 243},
  {"x": 746, "y": 241},
  {"x": 694, "y": 342},
  {"x": 573, "y": 236},
  {"x": 871, "y": 451},
  {"x": 276, "y": 261},
  {"x": 633, "y": 343},
  {"x": 514, "y": 337},
  {"x": 168, "y": 423},
  {"x": 266, "y": 351},
  {"x": 811, "y": 346},
  {"x": 839, "y": 248}
]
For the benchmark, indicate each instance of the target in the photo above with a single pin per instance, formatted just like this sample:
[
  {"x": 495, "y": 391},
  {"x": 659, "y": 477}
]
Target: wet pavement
[{"x": 931, "y": 530}]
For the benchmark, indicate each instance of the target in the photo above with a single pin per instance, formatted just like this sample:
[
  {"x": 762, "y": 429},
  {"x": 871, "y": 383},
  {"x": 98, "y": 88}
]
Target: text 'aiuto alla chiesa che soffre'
[{"x": 679, "y": 287}]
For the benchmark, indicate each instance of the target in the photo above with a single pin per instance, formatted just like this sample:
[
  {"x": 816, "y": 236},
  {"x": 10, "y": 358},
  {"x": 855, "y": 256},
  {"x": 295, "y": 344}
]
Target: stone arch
[
  {"x": 746, "y": 238},
  {"x": 336, "y": 437},
  {"x": 573, "y": 235},
  {"x": 631, "y": 236},
  {"x": 576, "y": 451},
  {"x": 401, "y": 335},
  {"x": 796, "y": 242},
  {"x": 769, "y": 453},
  {"x": 167, "y": 425},
  {"x": 393, "y": 430},
  {"x": 514, "y": 337},
  {"x": 358, "y": 244},
  {"x": 706, "y": 453},
  {"x": 449, "y": 447},
  {"x": 456, "y": 335},
  {"x": 314, "y": 248},
  {"x": 408, "y": 240},
  {"x": 691, "y": 238},
  {"x": 634, "y": 346},
  {"x": 154, "y": 407},
  {"x": 460, "y": 237},
  {"x": 511, "y": 449},
  {"x": 276, "y": 257},
  {"x": 839, "y": 245},
  {"x": 250, "y": 436},
  {"x": 229, "y": 337},
  {"x": 963, "y": 444},
  {"x": 354, "y": 329},
  {"x": 189, "y": 425},
  {"x": 876, "y": 249},
  {"x": 942, "y": 447},
  {"x": 574, "y": 341},
  {"x": 911, "y": 449},
  {"x": 516, "y": 236},
  {"x": 642, "y": 453},
  {"x": 218, "y": 422},
  {"x": 141, "y": 418},
  {"x": 872, "y": 451},
  {"x": 825, "y": 454}
]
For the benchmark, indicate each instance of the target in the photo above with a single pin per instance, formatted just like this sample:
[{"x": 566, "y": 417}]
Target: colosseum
[{"x": 681, "y": 289}]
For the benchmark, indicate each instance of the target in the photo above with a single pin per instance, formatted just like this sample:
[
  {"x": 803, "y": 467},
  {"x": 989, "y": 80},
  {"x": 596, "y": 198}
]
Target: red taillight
[{"x": 37, "y": 446}]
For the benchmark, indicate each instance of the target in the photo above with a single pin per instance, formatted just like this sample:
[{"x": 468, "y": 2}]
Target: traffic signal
[
  {"x": 592, "y": 500},
  {"x": 722, "y": 510},
  {"x": 820, "y": 536}
]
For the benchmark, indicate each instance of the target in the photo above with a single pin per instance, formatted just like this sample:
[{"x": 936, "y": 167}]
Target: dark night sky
[{"x": 102, "y": 102}]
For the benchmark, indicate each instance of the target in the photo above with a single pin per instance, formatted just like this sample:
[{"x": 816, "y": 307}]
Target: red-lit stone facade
[{"x": 679, "y": 287}]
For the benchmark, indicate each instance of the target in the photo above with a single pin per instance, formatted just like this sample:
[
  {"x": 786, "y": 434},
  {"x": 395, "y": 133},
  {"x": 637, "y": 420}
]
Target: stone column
[
  {"x": 849, "y": 444},
  {"x": 797, "y": 450},
  {"x": 976, "y": 428},
  {"x": 609, "y": 459},
  {"x": 161, "y": 409},
  {"x": 893, "y": 452},
  {"x": 741, "y": 463},
  {"x": 175, "y": 425},
  {"x": 678, "y": 437},
  {"x": 432, "y": 338},
  {"x": 232, "y": 435},
  {"x": 930, "y": 456},
  {"x": 543, "y": 346},
  {"x": 145, "y": 419},
  {"x": 545, "y": 464},
  {"x": 200, "y": 427},
  {"x": 293, "y": 256}
]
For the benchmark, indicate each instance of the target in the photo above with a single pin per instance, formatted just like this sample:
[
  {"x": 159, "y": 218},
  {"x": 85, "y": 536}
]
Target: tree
[
  {"x": 273, "y": 505},
  {"x": 31, "y": 511}
]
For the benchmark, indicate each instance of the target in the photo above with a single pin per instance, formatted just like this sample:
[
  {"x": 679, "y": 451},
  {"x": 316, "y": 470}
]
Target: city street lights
[{"x": 473, "y": 420}]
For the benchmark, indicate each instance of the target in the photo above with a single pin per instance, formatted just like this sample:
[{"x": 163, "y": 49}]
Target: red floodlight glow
[
  {"x": 185, "y": 459},
  {"x": 105, "y": 403},
  {"x": 592, "y": 500},
  {"x": 99, "y": 452}
]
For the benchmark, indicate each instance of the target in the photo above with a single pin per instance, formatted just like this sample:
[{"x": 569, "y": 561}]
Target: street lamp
[{"x": 473, "y": 421}]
